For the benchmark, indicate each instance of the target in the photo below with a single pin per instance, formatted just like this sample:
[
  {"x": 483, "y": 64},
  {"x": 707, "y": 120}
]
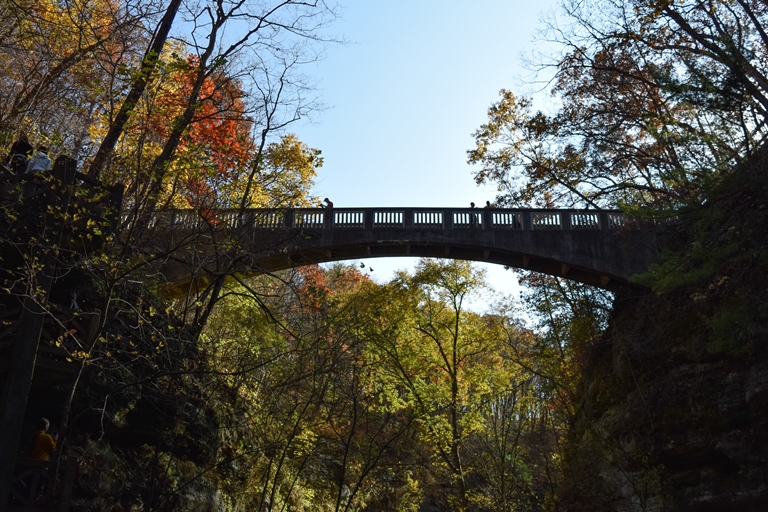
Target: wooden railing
[
  {"x": 32, "y": 485},
  {"x": 35, "y": 487}
]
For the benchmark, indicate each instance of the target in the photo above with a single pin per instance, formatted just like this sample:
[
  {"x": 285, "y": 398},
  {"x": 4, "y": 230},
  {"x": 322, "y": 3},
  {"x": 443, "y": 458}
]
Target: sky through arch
[{"x": 405, "y": 96}]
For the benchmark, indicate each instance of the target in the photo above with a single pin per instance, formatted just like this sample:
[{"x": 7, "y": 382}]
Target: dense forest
[{"x": 320, "y": 389}]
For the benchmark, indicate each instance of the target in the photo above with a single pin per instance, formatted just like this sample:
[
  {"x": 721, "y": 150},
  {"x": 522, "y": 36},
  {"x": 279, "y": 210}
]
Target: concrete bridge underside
[{"x": 594, "y": 247}]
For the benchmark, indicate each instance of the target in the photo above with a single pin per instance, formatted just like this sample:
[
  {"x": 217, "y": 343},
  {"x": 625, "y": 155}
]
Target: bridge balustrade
[
  {"x": 616, "y": 220},
  {"x": 184, "y": 219},
  {"x": 349, "y": 219},
  {"x": 309, "y": 219},
  {"x": 388, "y": 219},
  {"x": 391, "y": 218},
  {"x": 428, "y": 219},
  {"x": 268, "y": 219},
  {"x": 229, "y": 219},
  {"x": 507, "y": 220},
  {"x": 585, "y": 220},
  {"x": 546, "y": 220},
  {"x": 189, "y": 220},
  {"x": 467, "y": 219}
]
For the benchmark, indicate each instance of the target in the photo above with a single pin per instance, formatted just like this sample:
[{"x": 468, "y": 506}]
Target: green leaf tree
[{"x": 656, "y": 100}]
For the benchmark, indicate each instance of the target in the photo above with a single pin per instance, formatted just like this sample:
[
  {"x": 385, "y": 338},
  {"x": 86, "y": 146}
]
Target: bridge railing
[
  {"x": 585, "y": 220},
  {"x": 507, "y": 219},
  {"x": 268, "y": 219},
  {"x": 388, "y": 218},
  {"x": 468, "y": 219},
  {"x": 392, "y": 218},
  {"x": 546, "y": 220},
  {"x": 428, "y": 219},
  {"x": 352, "y": 219}
]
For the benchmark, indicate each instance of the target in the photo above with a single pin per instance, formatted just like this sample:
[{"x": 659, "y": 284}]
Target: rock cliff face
[{"x": 674, "y": 407}]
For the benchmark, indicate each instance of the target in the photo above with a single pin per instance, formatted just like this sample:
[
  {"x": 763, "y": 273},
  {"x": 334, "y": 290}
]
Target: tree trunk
[{"x": 137, "y": 90}]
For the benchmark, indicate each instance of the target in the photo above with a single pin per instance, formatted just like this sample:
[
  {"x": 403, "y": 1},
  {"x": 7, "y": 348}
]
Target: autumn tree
[
  {"x": 656, "y": 100},
  {"x": 61, "y": 62},
  {"x": 212, "y": 153},
  {"x": 76, "y": 65},
  {"x": 219, "y": 149},
  {"x": 278, "y": 33},
  {"x": 289, "y": 359},
  {"x": 443, "y": 362},
  {"x": 360, "y": 369}
]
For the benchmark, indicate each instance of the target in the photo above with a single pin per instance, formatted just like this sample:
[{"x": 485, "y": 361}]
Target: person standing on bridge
[
  {"x": 473, "y": 216},
  {"x": 328, "y": 203},
  {"x": 42, "y": 447},
  {"x": 39, "y": 161},
  {"x": 21, "y": 151},
  {"x": 43, "y": 443}
]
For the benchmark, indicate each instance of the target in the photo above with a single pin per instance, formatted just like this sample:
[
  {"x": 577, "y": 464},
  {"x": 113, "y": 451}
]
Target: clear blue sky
[{"x": 404, "y": 97}]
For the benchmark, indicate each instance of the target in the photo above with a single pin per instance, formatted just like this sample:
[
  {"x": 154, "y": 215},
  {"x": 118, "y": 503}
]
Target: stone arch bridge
[{"x": 596, "y": 247}]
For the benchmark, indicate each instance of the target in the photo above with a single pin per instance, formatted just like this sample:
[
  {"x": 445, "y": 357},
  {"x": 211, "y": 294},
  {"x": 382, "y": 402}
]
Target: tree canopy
[{"x": 655, "y": 101}]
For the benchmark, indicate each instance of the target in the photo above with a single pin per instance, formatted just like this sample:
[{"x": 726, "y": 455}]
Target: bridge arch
[{"x": 597, "y": 247}]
